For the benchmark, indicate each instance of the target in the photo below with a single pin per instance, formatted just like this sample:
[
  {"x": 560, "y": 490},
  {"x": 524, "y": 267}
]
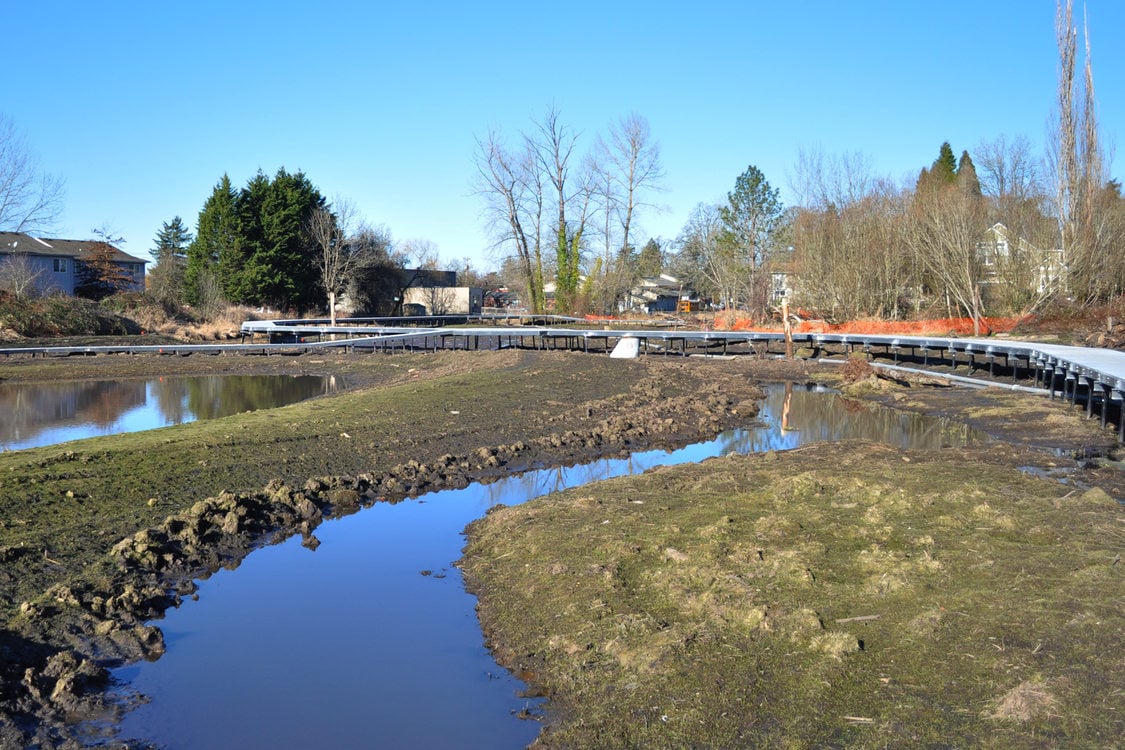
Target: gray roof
[{"x": 18, "y": 242}]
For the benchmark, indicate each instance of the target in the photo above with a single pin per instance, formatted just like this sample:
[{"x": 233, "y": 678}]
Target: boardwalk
[{"x": 1094, "y": 376}]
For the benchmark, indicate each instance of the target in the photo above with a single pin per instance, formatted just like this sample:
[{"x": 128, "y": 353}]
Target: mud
[{"x": 78, "y": 603}]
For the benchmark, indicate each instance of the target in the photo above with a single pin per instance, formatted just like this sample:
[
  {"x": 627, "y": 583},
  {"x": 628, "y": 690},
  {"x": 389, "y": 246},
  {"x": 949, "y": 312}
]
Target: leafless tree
[
  {"x": 30, "y": 201},
  {"x": 511, "y": 184},
  {"x": 339, "y": 233},
  {"x": 848, "y": 238},
  {"x": 19, "y": 276},
  {"x": 947, "y": 224},
  {"x": 1091, "y": 250},
  {"x": 627, "y": 169}
]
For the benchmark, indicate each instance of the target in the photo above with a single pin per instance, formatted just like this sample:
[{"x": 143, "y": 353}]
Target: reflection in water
[
  {"x": 38, "y": 414},
  {"x": 352, "y": 646}
]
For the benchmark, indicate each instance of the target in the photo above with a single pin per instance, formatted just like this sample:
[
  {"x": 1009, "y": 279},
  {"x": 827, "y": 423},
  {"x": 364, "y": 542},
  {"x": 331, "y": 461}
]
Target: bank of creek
[{"x": 101, "y": 537}]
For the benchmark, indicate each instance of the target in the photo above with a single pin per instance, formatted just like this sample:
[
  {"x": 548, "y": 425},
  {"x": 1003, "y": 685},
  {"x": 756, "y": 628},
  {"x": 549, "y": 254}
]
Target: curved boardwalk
[{"x": 1096, "y": 376}]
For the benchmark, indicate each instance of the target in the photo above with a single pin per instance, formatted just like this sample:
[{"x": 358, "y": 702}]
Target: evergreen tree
[
  {"x": 171, "y": 241},
  {"x": 651, "y": 260},
  {"x": 945, "y": 167},
  {"x": 215, "y": 234},
  {"x": 967, "y": 175},
  {"x": 280, "y": 268}
]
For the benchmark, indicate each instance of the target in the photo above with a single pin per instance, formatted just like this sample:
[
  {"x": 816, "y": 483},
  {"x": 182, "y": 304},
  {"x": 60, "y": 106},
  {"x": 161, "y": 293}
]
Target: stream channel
[{"x": 372, "y": 640}]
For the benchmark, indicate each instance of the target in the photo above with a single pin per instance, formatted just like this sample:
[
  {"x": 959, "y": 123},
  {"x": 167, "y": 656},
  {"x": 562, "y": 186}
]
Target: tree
[
  {"x": 165, "y": 281},
  {"x": 20, "y": 277},
  {"x": 948, "y": 223},
  {"x": 1091, "y": 249},
  {"x": 99, "y": 274},
  {"x": 749, "y": 218},
  {"x": 1012, "y": 184},
  {"x": 211, "y": 253},
  {"x": 626, "y": 168},
  {"x": 30, "y": 201},
  {"x": 171, "y": 242},
  {"x": 701, "y": 261},
  {"x": 651, "y": 260},
  {"x": 512, "y": 186},
  {"x": 375, "y": 287},
  {"x": 553, "y": 149},
  {"x": 343, "y": 247}
]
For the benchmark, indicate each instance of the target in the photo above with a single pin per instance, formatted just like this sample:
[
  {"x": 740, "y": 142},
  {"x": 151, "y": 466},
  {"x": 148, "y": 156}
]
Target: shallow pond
[
  {"x": 371, "y": 640},
  {"x": 37, "y": 414}
]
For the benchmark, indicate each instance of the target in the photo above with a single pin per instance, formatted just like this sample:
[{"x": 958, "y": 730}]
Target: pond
[
  {"x": 38, "y": 414},
  {"x": 372, "y": 640}
]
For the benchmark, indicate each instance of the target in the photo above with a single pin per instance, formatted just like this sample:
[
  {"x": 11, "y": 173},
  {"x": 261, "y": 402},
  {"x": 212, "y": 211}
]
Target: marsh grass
[{"x": 836, "y": 595}]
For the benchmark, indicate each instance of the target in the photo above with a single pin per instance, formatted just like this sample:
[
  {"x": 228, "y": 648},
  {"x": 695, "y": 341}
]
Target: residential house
[
  {"x": 997, "y": 248},
  {"x": 656, "y": 294},
  {"x": 55, "y": 265}
]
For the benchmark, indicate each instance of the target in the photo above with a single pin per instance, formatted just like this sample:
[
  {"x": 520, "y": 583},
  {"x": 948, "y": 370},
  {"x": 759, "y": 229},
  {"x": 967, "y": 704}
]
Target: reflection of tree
[
  {"x": 214, "y": 396},
  {"x": 31, "y": 408}
]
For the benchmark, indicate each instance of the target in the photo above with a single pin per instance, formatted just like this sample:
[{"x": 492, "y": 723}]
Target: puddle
[
  {"x": 371, "y": 640},
  {"x": 38, "y": 414}
]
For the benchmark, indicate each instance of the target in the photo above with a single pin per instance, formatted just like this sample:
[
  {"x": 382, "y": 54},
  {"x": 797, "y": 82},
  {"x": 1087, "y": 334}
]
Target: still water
[
  {"x": 354, "y": 646},
  {"x": 37, "y": 414}
]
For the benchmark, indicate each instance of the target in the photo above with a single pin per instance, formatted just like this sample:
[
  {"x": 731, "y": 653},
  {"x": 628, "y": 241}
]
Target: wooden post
[{"x": 787, "y": 327}]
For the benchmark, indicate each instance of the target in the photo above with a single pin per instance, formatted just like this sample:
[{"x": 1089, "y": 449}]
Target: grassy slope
[{"x": 714, "y": 605}]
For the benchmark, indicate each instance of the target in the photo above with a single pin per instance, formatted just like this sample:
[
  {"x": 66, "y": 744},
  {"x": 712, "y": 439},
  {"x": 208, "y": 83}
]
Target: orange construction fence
[{"x": 935, "y": 327}]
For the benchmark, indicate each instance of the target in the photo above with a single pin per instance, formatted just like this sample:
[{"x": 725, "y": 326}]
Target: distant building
[
  {"x": 56, "y": 264},
  {"x": 444, "y": 300},
  {"x": 657, "y": 294}
]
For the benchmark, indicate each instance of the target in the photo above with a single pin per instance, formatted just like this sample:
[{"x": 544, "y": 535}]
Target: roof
[{"x": 18, "y": 242}]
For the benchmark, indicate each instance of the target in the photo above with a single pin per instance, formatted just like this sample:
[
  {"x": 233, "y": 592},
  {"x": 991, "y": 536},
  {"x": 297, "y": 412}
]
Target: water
[
  {"x": 37, "y": 414},
  {"x": 353, "y": 646}
]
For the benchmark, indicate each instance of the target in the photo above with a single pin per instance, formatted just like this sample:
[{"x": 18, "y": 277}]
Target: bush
[{"x": 61, "y": 315}]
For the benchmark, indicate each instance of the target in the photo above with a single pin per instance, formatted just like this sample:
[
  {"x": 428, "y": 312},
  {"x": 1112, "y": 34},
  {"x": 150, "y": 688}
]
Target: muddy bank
[{"x": 78, "y": 594}]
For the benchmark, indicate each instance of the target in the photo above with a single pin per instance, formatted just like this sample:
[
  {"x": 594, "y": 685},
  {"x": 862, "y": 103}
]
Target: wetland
[{"x": 101, "y": 537}]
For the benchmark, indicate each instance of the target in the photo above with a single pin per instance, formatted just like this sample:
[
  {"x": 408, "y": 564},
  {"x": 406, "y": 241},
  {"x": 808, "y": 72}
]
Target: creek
[
  {"x": 38, "y": 414},
  {"x": 372, "y": 640}
]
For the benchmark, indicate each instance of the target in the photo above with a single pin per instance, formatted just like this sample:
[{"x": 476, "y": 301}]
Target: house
[
  {"x": 656, "y": 294},
  {"x": 54, "y": 265},
  {"x": 444, "y": 300},
  {"x": 996, "y": 250}
]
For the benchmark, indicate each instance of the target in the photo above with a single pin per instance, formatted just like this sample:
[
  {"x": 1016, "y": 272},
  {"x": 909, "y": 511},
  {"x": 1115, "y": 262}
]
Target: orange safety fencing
[{"x": 935, "y": 327}]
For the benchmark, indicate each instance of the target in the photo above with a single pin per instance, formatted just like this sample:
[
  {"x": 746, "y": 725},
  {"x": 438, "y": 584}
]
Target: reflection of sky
[{"x": 374, "y": 652}]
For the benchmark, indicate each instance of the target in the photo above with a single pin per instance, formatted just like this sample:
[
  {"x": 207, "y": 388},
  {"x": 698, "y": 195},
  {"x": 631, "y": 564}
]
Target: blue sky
[{"x": 141, "y": 107}]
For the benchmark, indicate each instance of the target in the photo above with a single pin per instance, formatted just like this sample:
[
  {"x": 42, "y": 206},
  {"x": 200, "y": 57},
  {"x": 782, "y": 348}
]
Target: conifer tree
[{"x": 215, "y": 234}]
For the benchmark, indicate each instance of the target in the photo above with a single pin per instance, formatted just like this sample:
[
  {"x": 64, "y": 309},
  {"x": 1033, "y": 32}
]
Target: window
[{"x": 60, "y": 265}]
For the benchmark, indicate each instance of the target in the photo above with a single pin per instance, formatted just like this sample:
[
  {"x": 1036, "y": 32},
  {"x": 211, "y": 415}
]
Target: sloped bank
[
  {"x": 838, "y": 595},
  {"x": 97, "y": 612}
]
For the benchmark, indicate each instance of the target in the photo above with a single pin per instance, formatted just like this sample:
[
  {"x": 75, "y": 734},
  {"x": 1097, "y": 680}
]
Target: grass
[{"x": 833, "y": 596}]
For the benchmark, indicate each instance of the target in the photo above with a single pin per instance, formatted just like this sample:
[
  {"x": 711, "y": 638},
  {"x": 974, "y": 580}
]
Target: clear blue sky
[{"x": 141, "y": 107}]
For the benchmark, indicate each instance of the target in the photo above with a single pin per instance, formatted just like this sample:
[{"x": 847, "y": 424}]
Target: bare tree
[
  {"x": 848, "y": 238},
  {"x": 1089, "y": 254},
  {"x": 627, "y": 167},
  {"x": 947, "y": 224},
  {"x": 511, "y": 184},
  {"x": 19, "y": 276},
  {"x": 30, "y": 201},
  {"x": 340, "y": 236}
]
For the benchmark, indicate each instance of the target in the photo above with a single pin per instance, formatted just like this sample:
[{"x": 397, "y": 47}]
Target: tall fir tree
[
  {"x": 171, "y": 242},
  {"x": 215, "y": 234},
  {"x": 967, "y": 174}
]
